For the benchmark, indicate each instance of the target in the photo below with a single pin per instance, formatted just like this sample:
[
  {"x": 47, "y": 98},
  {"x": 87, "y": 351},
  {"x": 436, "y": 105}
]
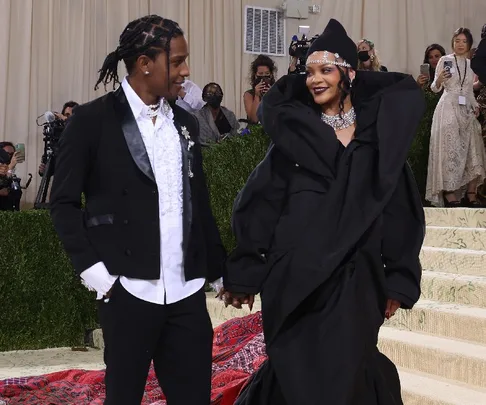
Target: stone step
[
  {"x": 443, "y": 319},
  {"x": 424, "y": 389},
  {"x": 455, "y": 261},
  {"x": 453, "y": 288},
  {"x": 455, "y": 238},
  {"x": 27, "y": 363},
  {"x": 458, "y": 217},
  {"x": 447, "y": 358}
]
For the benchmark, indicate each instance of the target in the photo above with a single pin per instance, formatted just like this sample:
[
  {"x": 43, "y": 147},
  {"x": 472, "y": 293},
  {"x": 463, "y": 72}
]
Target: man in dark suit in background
[
  {"x": 478, "y": 62},
  {"x": 147, "y": 240}
]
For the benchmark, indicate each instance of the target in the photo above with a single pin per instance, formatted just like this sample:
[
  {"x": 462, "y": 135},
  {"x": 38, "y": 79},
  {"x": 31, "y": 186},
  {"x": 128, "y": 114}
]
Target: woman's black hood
[{"x": 388, "y": 106}]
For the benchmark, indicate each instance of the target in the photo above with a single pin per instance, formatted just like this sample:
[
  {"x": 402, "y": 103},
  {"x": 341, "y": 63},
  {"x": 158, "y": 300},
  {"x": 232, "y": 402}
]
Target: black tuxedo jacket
[
  {"x": 102, "y": 154},
  {"x": 478, "y": 62}
]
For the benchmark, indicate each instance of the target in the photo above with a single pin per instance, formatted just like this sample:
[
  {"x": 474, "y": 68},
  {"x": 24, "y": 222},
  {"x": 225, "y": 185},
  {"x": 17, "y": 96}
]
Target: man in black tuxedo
[
  {"x": 147, "y": 240},
  {"x": 478, "y": 62}
]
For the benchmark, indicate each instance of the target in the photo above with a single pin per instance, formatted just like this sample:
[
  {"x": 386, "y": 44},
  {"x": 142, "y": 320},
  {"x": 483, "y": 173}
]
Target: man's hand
[
  {"x": 237, "y": 299},
  {"x": 391, "y": 308},
  {"x": 60, "y": 116}
]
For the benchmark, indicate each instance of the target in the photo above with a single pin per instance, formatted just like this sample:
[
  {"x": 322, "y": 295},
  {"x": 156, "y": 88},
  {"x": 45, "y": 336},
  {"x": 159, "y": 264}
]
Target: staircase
[{"x": 440, "y": 345}]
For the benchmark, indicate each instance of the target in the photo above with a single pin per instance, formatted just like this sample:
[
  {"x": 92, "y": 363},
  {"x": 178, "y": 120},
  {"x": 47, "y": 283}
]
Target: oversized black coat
[{"x": 326, "y": 234}]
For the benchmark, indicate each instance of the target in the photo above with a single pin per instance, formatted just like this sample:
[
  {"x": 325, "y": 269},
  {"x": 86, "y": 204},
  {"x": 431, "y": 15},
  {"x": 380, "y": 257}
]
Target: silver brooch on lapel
[{"x": 190, "y": 144}]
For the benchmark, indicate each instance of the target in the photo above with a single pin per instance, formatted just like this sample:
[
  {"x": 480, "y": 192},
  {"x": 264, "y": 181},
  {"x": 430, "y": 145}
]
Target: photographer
[
  {"x": 298, "y": 51},
  {"x": 9, "y": 196},
  {"x": 263, "y": 71},
  {"x": 67, "y": 111}
]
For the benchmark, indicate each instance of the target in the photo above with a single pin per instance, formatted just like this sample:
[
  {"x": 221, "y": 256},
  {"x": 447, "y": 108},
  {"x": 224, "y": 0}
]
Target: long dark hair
[
  {"x": 345, "y": 88},
  {"x": 430, "y": 48},
  {"x": 262, "y": 60},
  {"x": 149, "y": 36}
]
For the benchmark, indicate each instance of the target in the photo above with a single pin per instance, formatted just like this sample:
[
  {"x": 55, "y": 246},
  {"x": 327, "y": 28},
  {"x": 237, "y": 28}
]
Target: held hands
[
  {"x": 236, "y": 299},
  {"x": 391, "y": 308}
]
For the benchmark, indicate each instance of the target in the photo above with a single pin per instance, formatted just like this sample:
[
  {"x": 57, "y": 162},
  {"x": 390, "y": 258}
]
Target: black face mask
[
  {"x": 214, "y": 100},
  {"x": 364, "y": 56}
]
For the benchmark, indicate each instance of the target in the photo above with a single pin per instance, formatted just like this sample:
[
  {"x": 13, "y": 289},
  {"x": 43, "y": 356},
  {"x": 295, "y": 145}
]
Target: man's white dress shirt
[{"x": 162, "y": 142}]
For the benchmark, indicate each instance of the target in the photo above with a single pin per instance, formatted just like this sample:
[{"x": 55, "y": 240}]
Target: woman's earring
[{"x": 147, "y": 73}]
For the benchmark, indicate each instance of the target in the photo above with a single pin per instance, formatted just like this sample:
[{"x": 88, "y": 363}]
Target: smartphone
[
  {"x": 425, "y": 70},
  {"x": 266, "y": 80},
  {"x": 20, "y": 149},
  {"x": 448, "y": 66}
]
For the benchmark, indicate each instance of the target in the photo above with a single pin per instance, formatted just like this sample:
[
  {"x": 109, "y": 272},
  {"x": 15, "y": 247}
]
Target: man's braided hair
[{"x": 149, "y": 36}]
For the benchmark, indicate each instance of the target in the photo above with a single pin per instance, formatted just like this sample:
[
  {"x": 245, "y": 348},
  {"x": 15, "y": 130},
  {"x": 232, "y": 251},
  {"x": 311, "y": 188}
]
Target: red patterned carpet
[{"x": 238, "y": 351}]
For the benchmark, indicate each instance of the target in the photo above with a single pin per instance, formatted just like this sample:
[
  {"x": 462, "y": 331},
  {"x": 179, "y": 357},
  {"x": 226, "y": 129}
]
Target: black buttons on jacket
[
  {"x": 154, "y": 191},
  {"x": 128, "y": 252},
  {"x": 125, "y": 222},
  {"x": 125, "y": 191}
]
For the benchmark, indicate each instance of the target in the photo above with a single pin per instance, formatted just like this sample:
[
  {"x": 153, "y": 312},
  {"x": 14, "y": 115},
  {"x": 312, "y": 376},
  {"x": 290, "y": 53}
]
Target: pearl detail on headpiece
[{"x": 312, "y": 59}]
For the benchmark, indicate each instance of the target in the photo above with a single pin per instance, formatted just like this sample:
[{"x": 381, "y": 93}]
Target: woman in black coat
[{"x": 329, "y": 229}]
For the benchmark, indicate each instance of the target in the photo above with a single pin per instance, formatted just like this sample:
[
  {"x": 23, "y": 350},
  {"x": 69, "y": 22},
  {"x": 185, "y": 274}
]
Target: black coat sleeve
[
  {"x": 478, "y": 62},
  {"x": 75, "y": 154},
  {"x": 403, "y": 235},
  {"x": 215, "y": 251},
  {"x": 256, "y": 212}
]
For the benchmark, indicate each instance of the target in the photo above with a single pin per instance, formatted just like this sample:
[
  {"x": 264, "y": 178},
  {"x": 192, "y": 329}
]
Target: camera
[
  {"x": 52, "y": 131},
  {"x": 298, "y": 49}
]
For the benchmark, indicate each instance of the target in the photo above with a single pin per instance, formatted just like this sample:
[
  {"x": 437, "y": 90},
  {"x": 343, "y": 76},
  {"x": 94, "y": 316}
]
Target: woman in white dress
[{"x": 457, "y": 158}]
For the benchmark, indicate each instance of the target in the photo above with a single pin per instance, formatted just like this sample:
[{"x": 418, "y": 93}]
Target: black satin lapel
[
  {"x": 132, "y": 134},
  {"x": 186, "y": 186}
]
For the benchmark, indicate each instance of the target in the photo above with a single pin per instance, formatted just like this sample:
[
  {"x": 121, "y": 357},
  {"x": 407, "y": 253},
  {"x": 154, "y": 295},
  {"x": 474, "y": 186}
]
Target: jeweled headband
[{"x": 324, "y": 60}]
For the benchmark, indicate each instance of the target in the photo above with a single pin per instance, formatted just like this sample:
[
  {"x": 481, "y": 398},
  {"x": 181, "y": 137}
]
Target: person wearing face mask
[
  {"x": 368, "y": 57},
  {"x": 215, "y": 121},
  {"x": 263, "y": 71}
]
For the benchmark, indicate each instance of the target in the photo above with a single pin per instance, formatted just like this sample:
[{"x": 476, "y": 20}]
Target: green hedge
[
  {"x": 42, "y": 303},
  {"x": 419, "y": 152},
  {"x": 228, "y": 166}
]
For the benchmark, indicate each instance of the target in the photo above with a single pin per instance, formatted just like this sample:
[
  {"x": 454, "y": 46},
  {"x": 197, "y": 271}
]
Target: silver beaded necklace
[
  {"x": 163, "y": 106},
  {"x": 153, "y": 110},
  {"x": 338, "y": 122}
]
